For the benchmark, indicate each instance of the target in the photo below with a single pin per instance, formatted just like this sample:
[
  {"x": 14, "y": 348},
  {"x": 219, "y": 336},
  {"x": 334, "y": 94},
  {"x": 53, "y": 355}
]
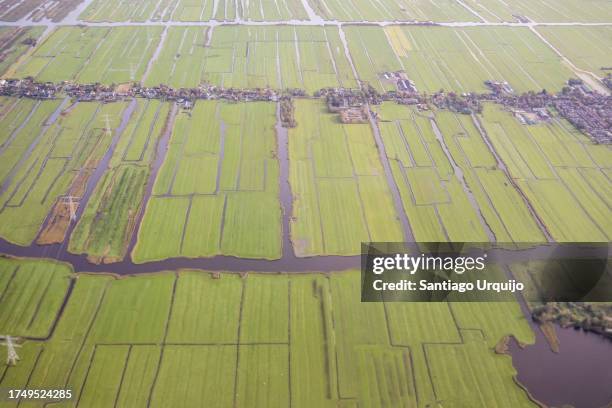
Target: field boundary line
[
  {"x": 125, "y": 366},
  {"x": 162, "y": 346},
  {"x": 236, "y": 372}
]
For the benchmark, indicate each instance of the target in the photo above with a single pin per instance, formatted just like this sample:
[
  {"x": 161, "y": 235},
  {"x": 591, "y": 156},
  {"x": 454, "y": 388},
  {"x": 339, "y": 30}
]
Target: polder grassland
[
  {"x": 125, "y": 10},
  {"x": 194, "y": 10},
  {"x": 185, "y": 338},
  {"x": 280, "y": 57},
  {"x": 402, "y": 10},
  {"x": 372, "y": 55},
  {"x": 310, "y": 58},
  {"x": 273, "y": 10},
  {"x": 31, "y": 295},
  {"x": 13, "y": 47},
  {"x": 341, "y": 197},
  {"x": 436, "y": 204},
  {"x": 217, "y": 190},
  {"x": 182, "y": 58},
  {"x": 44, "y": 160},
  {"x": 441, "y": 203},
  {"x": 564, "y": 175},
  {"x": 164, "y": 10},
  {"x": 456, "y": 59},
  {"x": 589, "y": 48},
  {"x": 92, "y": 54},
  {"x": 504, "y": 210},
  {"x": 105, "y": 228},
  {"x": 587, "y": 11}
]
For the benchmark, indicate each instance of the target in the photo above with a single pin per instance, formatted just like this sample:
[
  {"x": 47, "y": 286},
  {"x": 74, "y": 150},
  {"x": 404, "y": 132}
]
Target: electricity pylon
[
  {"x": 73, "y": 205},
  {"x": 11, "y": 356},
  {"x": 107, "y": 126}
]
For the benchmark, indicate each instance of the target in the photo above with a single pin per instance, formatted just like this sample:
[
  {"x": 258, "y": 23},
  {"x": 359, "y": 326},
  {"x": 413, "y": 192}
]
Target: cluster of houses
[
  {"x": 349, "y": 104},
  {"x": 110, "y": 93},
  {"x": 588, "y": 111}
]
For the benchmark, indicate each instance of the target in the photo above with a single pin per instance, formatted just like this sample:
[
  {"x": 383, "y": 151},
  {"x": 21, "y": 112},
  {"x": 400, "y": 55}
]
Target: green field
[
  {"x": 341, "y": 197},
  {"x": 43, "y": 161},
  {"x": 502, "y": 207},
  {"x": 437, "y": 205},
  {"x": 543, "y": 11},
  {"x": 181, "y": 61},
  {"x": 31, "y": 294},
  {"x": 92, "y": 54},
  {"x": 13, "y": 47},
  {"x": 457, "y": 59},
  {"x": 589, "y": 48},
  {"x": 193, "y": 10},
  {"x": 562, "y": 173},
  {"x": 217, "y": 190},
  {"x": 308, "y": 58},
  {"x": 402, "y": 10},
  {"x": 185, "y": 338},
  {"x": 107, "y": 224},
  {"x": 549, "y": 172},
  {"x": 125, "y": 10}
]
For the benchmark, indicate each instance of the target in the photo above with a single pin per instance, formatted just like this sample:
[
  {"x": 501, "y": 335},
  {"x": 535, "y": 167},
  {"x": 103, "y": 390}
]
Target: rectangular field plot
[
  {"x": 559, "y": 170},
  {"x": 402, "y": 10},
  {"x": 263, "y": 376},
  {"x": 92, "y": 54},
  {"x": 31, "y": 294},
  {"x": 13, "y": 46},
  {"x": 134, "y": 311},
  {"x": 106, "y": 226},
  {"x": 191, "y": 338},
  {"x": 217, "y": 191},
  {"x": 195, "y": 376},
  {"x": 461, "y": 59},
  {"x": 438, "y": 205},
  {"x": 46, "y": 158},
  {"x": 104, "y": 376},
  {"x": 340, "y": 194},
  {"x": 205, "y": 310},
  {"x": 589, "y": 48},
  {"x": 542, "y": 11}
]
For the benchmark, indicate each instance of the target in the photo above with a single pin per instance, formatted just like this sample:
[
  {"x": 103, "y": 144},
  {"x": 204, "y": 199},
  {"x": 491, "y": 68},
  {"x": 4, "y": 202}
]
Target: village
[{"x": 590, "y": 112}]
